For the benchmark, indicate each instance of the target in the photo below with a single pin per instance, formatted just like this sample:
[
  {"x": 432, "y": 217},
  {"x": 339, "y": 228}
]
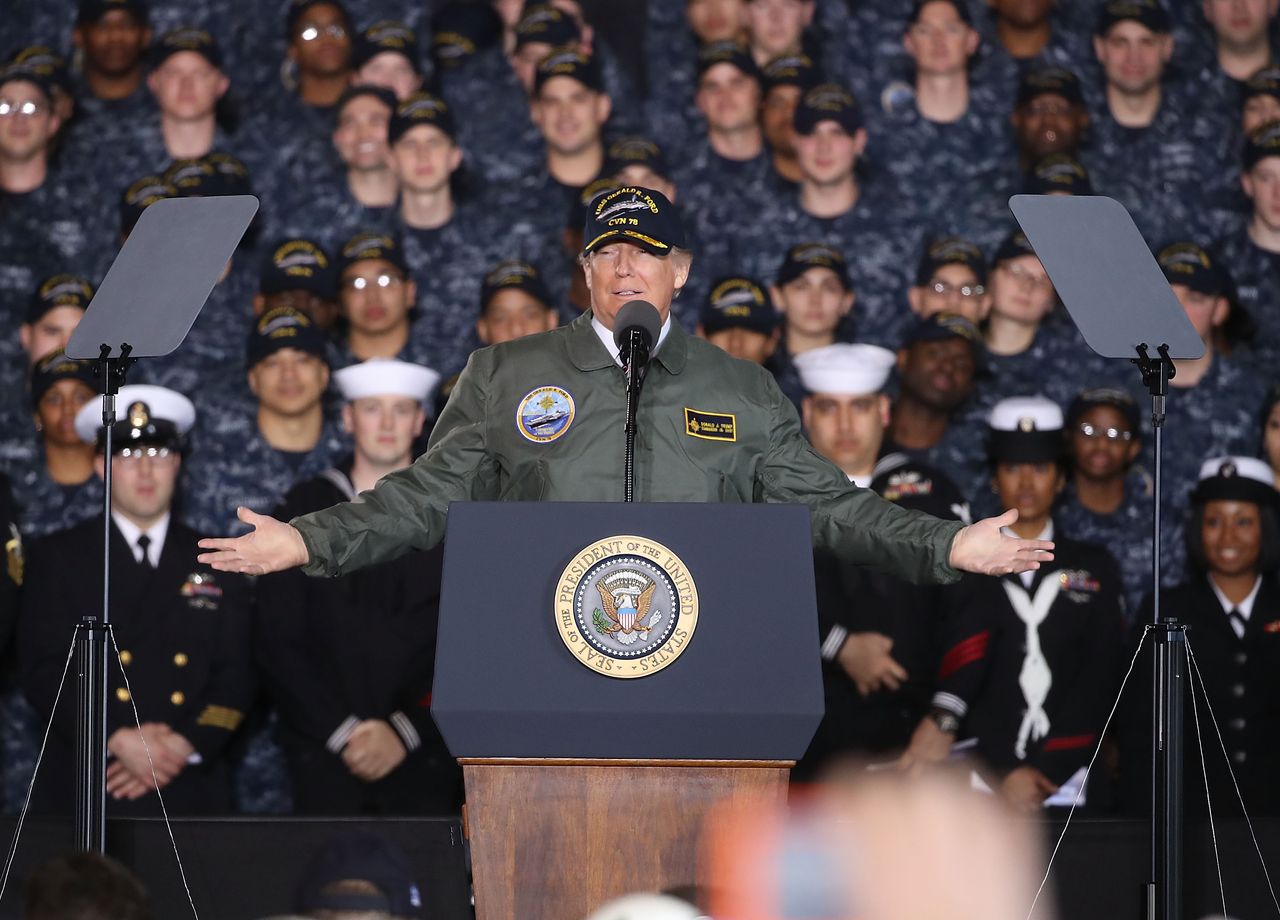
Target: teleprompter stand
[
  {"x": 147, "y": 303},
  {"x": 1120, "y": 300}
]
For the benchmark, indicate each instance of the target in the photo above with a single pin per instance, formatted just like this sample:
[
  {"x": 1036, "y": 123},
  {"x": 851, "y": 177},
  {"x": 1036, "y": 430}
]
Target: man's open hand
[
  {"x": 982, "y": 548},
  {"x": 272, "y": 546}
]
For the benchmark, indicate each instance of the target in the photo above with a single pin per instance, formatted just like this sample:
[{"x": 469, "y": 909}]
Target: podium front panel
[{"x": 747, "y": 686}]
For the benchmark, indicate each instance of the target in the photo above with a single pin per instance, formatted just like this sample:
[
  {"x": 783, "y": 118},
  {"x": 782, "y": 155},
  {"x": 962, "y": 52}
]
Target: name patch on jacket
[{"x": 710, "y": 426}]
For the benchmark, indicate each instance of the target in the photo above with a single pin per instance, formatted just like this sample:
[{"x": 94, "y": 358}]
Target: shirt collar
[
  {"x": 862, "y": 482},
  {"x": 1245, "y": 606},
  {"x": 131, "y": 532},
  {"x": 606, "y": 338}
]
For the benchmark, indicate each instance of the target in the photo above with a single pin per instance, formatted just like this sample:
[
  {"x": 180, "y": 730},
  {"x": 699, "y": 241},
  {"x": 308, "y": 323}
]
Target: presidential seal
[
  {"x": 545, "y": 414},
  {"x": 626, "y": 606}
]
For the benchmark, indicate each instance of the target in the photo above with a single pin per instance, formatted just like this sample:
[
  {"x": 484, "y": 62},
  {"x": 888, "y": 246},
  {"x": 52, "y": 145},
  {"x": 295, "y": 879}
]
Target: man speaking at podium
[{"x": 542, "y": 419}]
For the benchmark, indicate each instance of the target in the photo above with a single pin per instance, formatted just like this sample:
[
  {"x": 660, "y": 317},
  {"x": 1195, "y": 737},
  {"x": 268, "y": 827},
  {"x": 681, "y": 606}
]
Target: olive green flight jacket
[{"x": 711, "y": 428}]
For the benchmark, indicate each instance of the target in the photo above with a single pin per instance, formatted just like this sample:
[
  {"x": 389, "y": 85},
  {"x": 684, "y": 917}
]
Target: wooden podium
[
  {"x": 554, "y": 839},
  {"x": 581, "y": 787}
]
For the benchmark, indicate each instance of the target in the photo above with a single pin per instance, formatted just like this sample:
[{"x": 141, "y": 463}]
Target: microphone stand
[{"x": 635, "y": 357}]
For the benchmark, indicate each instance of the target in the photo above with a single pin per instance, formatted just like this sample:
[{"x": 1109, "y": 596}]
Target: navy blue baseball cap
[
  {"x": 640, "y": 216},
  {"x": 739, "y": 303}
]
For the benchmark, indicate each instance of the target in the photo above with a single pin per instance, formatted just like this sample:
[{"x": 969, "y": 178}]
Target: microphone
[{"x": 635, "y": 331}]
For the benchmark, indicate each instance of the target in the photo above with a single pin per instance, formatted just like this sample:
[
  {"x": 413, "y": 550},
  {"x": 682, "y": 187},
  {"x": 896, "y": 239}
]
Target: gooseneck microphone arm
[{"x": 636, "y": 329}]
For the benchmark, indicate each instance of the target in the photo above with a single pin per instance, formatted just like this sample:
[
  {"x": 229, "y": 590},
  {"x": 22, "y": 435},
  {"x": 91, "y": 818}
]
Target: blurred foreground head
[{"x": 859, "y": 846}]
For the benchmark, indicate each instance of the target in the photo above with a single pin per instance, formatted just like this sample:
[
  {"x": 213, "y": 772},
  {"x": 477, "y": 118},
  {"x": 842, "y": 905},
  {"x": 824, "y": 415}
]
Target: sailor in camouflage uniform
[
  {"x": 378, "y": 300},
  {"x": 449, "y": 245},
  {"x": 1157, "y": 147},
  {"x": 249, "y": 454},
  {"x": 1030, "y": 662},
  {"x": 879, "y": 633},
  {"x": 867, "y": 221},
  {"x": 1252, "y": 253},
  {"x": 1213, "y": 402},
  {"x": 183, "y": 631}
]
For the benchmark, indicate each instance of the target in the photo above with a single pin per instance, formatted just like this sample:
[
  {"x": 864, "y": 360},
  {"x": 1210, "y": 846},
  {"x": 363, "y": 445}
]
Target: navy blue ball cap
[
  {"x": 285, "y": 327},
  {"x": 386, "y": 35},
  {"x": 1262, "y": 143},
  {"x": 139, "y": 196},
  {"x": 827, "y": 102},
  {"x": 365, "y": 247},
  {"x": 951, "y": 250},
  {"x": 1149, "y": 13},
  {"x": 62, "y": 290},
  {"x": 514, "y": 274},
  {"x": 1058, "y": 174},
  {"x": 421, "y": 108},
  {"x": 546, "y": 24},
  {"x": 92, "y": 10},
  {"x": 640, "y": 216},
  {"x": 739, "y": 303},
  {"x": 1049, "y": 81},
  {"x": 186, "y": 39},
  {"x": 1190, "y": 264},
  {"x": 56, "y": 367},
  {"x": 796, "y": 69},
  {"x": 804, "y": 256},
  {"x": 635, "y": 151},
  {"x": 298, "y": 264},
  {"x": 572, "y": 63},
  {"x": 727, "y": 52},
  {"x": 1117, "y": 399},
  {"x": 462, "y": 29}
]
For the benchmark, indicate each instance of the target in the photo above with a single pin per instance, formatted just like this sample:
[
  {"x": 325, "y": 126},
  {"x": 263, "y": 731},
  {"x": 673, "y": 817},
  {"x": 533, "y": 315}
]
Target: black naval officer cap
[
  {"x": 804, "y": 256},
  {"x": 386, "y": 35},
  {"x": 141, "y": 195},
  {"x": 421, "y": 108},
  {"x": 371, "y": 245},
  {"x": 285, "y": 327},
  {"x": 1149, "y": 13},
  {"x": 1192, "y": 265},
  {"x": 514, "y": 274},
  {"x": 1262, "y": 143},
  {"x": 951, "y": 250},
  {"x": 1025, "y": 429},
  {"x": 634, "y": 151},
  {"x": 572, "y": 63},
  {"x": 796, "y": 69},
  {"x": 1117, "y": 399},
  {"x": 739, "y": 303},
  {"x": 640, "y": 216},
  {"x": 146, "y": 416},
  {"x": 727, "y": 52},
  {"x": 61, "y": 290},
  {"x": 298, "y": 264},
  {"x": 56, "y": 366},
  {"x": 462, "y": 29},
  {"x": 365, "y": 857},
  {"x": 92, "y": 10},
  {"x": 1049, "y": 81},
  {"x": 1236, "y": 479},
  {"x": 186, "y": 39},
  {"x": 1058, "y": 174},
  {"x": 546, "y": 24}
]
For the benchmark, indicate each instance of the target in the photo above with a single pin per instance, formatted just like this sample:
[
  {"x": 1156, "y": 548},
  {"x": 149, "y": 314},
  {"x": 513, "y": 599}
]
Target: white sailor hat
[
  {"x": 386, "y": 377},
  {"x": 1246, "y": 479},
  {"x": 145, "y": 414},
  {"x": 646, "y": 907},
  {"x": 1025, "y": 429},
  {"x": 845, "y": 369}
]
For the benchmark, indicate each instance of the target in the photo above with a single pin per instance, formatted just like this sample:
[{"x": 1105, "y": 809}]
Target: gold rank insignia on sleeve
[
  {"x": 710, "y": 426},
  {"x": 221, "y": 717},
  {"x": 13, "y": 555}
]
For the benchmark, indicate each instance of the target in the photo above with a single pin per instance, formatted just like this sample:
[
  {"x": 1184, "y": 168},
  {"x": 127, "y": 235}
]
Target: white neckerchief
[
  {"x": 1034, "y": 678},
  {"x": 606, "y": 338},
  {"x": 131, "y": 532},
  {"x": 1245, "y": 606}
]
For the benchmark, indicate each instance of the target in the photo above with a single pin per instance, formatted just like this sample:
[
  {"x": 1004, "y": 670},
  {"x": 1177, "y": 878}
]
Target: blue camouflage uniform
[
  {"x": 231, "y": 464},
  {"x": 1164, "y": 173},
  {"x": 1125, "y": 533},
  {"x": 1256, "y": 274}
]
